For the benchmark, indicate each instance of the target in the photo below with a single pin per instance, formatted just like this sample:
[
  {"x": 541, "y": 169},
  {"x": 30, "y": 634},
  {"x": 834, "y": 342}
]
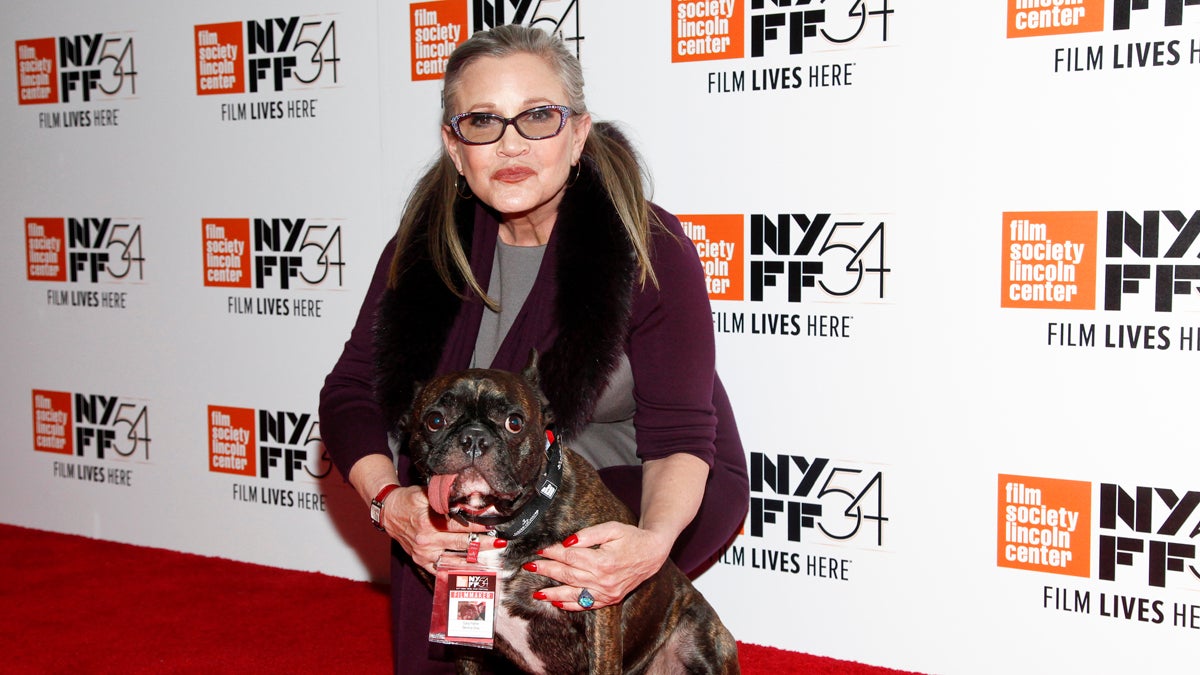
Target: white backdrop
[{"x": 869, "y": 179}]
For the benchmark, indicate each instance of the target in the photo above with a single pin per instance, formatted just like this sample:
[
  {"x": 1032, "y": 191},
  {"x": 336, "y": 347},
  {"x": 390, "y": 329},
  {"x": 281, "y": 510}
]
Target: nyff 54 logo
[
  {"x": 76, "y": 69},
  {"x": 276, "y": 253},
  {"x": 1031, "y": 18},
  {"x": 799, "y": 498},
  {"x": 438, "y": 26},
  {"x": 705, "y": 30},
  {"x": 552, "y": 17},
  {"x": 791, "y": 256},
  {"x": 1152, "y": 254},
  {"x": 800, "y": 257},
  {"x": 1049, "y": 260},
  {"x": 275, "y": 55},
  {"x": 1145, "y": 535},
  {"x": 93, "y": 426},
  {"x": 95, "y": 250},
  {"x": 275, "y": 444}
]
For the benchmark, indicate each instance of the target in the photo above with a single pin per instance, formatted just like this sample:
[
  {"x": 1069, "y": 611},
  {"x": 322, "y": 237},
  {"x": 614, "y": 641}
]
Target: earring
[
  {"x": 578, "y": 169},
  {"x": 461, "y": 185}
]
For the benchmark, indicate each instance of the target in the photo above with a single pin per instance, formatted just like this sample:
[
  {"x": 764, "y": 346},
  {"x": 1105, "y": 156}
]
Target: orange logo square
[
  {"x": 1030, "y": 18},
  {"x": 232, "y": 446},
  {"x": 220, "y": 59},
  {"x": 227, "y": 252},
  {"x": 45, "y": 249},
  {"x": 37, "y": 71},
  {"x": 437, "y": 28},
  {"x": 1049, "y": 260},
  {"x": 707, "y": 30},
  {"x": 1044, "y": 525},
  {"x": 719, "y": 240},
  {"x": 52, "y": 422}
]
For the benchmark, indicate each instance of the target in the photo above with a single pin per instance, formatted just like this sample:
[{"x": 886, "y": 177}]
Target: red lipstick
[{"x": 513, "y": 174}]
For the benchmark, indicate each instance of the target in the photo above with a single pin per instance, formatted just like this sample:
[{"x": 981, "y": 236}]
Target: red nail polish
[
  {"x": 541, "y": 551},
  {"x": 539, "y": 596},
  {"x": 571, "y": 540},
  {"x": 557, "y": 604},
  {"x": 529, "y": 567},
  {"x": 500, "y": 543}
]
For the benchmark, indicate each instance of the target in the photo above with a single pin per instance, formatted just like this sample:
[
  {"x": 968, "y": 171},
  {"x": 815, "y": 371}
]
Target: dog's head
[{"x": 487, "y": 430}]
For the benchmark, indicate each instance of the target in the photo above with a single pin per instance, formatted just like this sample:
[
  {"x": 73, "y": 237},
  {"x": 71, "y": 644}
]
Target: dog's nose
[{"x": 474, "y": 441}]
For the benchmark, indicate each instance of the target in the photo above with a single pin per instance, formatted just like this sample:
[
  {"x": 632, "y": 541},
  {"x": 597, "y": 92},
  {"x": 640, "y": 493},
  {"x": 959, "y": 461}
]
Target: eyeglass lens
[{"x": 534, "y": 124}]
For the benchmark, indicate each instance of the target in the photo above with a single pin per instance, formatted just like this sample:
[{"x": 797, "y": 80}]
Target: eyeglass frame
[{"x": 563, "y": 110}]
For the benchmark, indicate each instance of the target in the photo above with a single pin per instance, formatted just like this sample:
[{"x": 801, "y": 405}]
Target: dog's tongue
[{"x": 439, "y": 491}]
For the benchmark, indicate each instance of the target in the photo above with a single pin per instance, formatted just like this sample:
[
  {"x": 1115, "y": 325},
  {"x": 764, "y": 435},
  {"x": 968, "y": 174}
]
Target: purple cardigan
[{"x": 681, "y": 402}]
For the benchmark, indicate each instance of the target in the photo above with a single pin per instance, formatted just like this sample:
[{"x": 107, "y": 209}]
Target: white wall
[{"x": 910, "y": 412}]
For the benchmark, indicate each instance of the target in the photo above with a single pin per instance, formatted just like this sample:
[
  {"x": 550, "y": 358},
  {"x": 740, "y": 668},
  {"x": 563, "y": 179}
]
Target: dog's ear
[
  {"x": 534, "y": 378},
  {"x": 412, "y": 405},
  {"x": 530, "y": 372}
]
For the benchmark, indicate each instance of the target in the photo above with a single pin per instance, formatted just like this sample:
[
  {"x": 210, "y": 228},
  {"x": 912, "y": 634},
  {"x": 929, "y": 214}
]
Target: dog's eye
[
  {"x": 434, "y": 421},
  {"x": 515, "y": 423}
]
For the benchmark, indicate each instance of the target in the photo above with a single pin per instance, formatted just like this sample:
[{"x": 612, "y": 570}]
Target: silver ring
[
  {"x": 585, "y": 599},
  {"x": 472, "y": 538}
]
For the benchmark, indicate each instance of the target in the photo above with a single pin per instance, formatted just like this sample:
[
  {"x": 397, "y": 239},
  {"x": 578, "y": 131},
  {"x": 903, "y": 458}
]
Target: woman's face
[{"x": 520, "y": 178}]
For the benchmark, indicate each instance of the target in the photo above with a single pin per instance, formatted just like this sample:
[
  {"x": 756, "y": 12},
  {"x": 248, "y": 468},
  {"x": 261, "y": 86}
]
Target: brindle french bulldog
[{"x": 483, "y": 434}]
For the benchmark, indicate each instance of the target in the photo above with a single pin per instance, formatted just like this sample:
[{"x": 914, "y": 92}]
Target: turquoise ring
[{"x": 585, "y": 599}]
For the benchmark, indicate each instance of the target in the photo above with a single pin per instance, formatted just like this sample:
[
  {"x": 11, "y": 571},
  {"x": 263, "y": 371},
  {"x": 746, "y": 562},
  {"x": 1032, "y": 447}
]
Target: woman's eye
[
  {"x": 515, "y": 423},
  {"x": 481, "y": 121},
  {"x": 434, "y": 421}
]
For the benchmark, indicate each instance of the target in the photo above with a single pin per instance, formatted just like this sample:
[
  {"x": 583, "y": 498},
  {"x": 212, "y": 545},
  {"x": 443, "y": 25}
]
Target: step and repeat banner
[{"x": 951, "y": 251}]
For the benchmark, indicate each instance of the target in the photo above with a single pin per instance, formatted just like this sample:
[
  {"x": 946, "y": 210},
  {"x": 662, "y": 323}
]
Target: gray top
[
  {"x": 609, "y": 439},
  {"x": 514, "y": 270}
]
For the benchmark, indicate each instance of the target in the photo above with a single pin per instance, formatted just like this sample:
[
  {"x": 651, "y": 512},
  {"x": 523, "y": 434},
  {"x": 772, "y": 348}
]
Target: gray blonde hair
[{"x": 607, "y": 151}]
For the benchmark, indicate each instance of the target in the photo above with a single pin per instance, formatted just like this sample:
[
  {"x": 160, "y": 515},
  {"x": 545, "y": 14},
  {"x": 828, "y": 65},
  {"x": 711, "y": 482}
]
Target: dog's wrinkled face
[{"x": 488, "y": 428}]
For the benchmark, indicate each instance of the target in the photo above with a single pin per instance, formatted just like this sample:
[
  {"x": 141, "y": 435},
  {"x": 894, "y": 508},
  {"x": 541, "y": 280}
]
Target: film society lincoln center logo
[
  {"x": 84, "y": 250},
  {"x": 1044, "y": 525},
  {"x": 705, "y": 30},
  {"x": 792, "y": 257},
  {"x": 85, "y": 68},
  {"x": 271, "y": 252},
  {"x": 1144, "y": 539},
  {"x": 274, "y": 444},
  {"x": 1162, "y": 32},
  {"x": 273, "y": 454},
  {"x": 90, "y": 425},
  {"x": 1034, "y": 18},
  {"x": 718, "y": 239},
  {"x": 438, "y": 26},
  {"x": 1145, "y": 261},
  {"x": 268, "y": 56},
  {"x": 1049, "y": 260}
]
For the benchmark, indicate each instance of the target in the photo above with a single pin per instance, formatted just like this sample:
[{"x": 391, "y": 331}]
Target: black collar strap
[{"x": 548, "y": 486}]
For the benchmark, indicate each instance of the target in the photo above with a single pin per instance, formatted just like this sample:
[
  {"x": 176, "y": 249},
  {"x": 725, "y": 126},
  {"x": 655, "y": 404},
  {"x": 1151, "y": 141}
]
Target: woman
[{"x": 532, "y": 231}]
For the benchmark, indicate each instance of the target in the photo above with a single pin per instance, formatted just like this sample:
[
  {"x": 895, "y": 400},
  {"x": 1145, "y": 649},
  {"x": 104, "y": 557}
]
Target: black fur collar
[{"x": 591, "y": 290}]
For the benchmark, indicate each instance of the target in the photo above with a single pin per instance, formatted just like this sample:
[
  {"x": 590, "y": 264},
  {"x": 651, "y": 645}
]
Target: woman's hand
[
  {"x": 406, "y": 516},
  {"x": 424, "y": 534},
  {"x": 609, "y": 560}
]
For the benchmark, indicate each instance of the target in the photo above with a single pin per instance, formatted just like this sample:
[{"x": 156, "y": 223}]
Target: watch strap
[{"x": 377, "y": 506}]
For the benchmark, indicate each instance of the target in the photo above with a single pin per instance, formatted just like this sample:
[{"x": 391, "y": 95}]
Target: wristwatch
[{"x": 377, "y": 506}]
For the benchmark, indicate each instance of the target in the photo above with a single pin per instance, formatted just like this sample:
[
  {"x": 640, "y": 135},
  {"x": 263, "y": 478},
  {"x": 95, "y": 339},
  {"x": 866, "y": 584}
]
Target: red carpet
[{"x": 71, "y": 604}]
